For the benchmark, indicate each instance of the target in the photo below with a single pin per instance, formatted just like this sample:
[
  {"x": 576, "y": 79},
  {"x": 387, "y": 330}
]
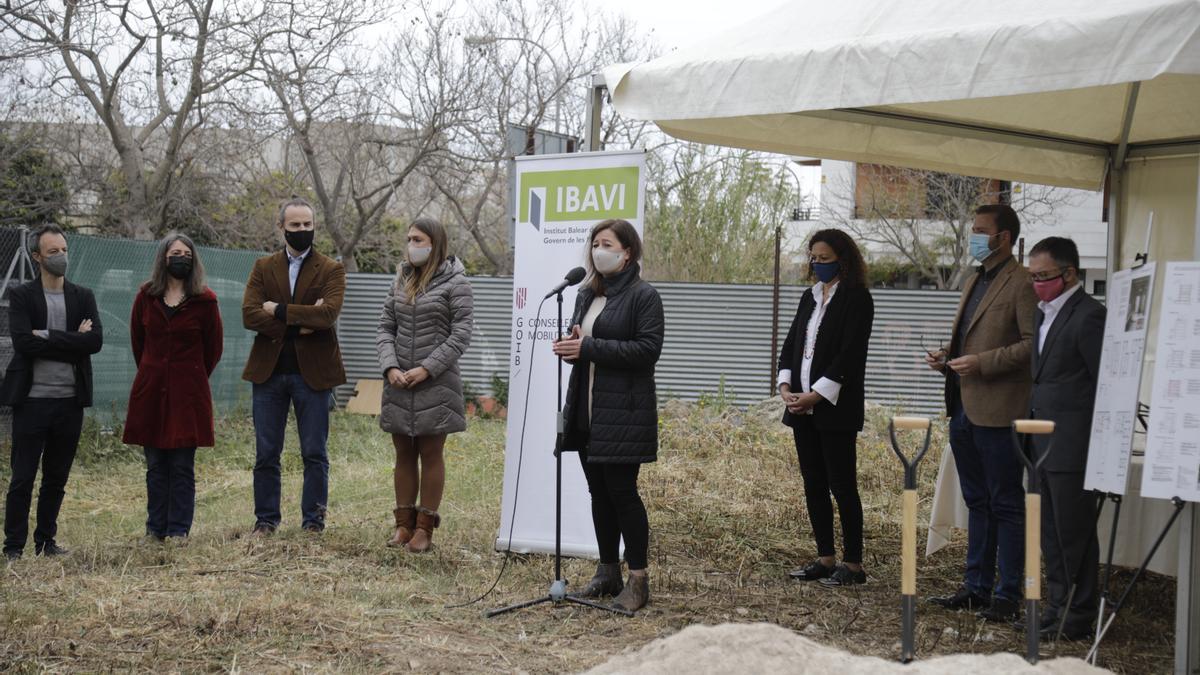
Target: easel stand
[
  {"x": 558, "y": 588},
  {"x": 1092, "y": 654},
  {"x": 1033, "y": 530},
  {"x": 908, "y": 537}
]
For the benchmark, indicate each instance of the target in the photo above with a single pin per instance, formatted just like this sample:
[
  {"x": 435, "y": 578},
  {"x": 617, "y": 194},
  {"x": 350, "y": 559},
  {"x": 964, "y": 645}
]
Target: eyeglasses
[
  {"x": 937, "y": 346},
  {"x": 1043, "y": 276}
]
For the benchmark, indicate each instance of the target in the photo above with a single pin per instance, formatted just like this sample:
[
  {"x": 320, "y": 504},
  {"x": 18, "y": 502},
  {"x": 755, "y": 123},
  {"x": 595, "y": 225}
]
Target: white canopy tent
[{"x": 1059, "y": 92}]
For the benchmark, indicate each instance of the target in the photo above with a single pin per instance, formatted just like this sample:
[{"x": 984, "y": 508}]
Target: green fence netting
[{"x": 114, "y": 269}]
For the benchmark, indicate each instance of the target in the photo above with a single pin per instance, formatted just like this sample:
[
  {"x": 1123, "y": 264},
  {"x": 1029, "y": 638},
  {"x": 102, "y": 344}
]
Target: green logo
[{"x": 578, "y": 194}]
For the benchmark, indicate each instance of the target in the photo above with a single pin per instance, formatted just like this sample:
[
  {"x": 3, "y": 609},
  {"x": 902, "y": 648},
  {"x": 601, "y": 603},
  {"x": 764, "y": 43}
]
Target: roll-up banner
[{"x": 558, "y": 198}]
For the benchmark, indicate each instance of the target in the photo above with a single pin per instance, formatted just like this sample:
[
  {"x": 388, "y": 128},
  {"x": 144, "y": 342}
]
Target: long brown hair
[
  {"x": 853, "y": 270},
  {"x": 415, "y": 280},
  {"x": 156, "y": 286},
  {"x": 630, "y": 241}
]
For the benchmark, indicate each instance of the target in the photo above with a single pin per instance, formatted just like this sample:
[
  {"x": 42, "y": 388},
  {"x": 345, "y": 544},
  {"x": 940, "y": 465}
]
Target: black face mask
[
  {"x": 300, "y": 240},
  {"x": 179, "y": 266}
]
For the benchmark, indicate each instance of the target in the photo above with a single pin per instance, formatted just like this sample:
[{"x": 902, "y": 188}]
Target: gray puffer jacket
[{"x": 433, "y": 332}]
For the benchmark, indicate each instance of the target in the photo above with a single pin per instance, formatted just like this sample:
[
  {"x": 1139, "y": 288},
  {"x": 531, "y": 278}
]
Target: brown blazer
[
  {"x": 318, "y": 353},
  {"x": 1001, "y": 334}
]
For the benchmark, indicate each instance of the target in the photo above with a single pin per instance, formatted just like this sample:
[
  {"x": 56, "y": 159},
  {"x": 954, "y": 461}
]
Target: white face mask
[
  {"x": 418, "y": 255},
  {"x": 607, "y": 262}
]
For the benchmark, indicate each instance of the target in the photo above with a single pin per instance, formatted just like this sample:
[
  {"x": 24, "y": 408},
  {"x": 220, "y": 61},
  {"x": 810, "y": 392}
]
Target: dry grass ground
[{"x": 727, "y": 517}]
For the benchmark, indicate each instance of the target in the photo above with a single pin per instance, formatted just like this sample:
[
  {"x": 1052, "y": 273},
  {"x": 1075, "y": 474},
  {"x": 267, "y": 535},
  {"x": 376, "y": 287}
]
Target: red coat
[{"x": 171, "y": 403}]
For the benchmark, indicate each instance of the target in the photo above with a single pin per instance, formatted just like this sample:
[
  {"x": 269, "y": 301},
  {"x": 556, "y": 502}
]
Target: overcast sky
[{"x": 681, "y": 23}]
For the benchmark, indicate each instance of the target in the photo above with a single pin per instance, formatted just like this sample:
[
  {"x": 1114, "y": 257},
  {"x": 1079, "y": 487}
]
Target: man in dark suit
[
  {"x": 1069, "y": 336},
  {"x": 292, "y": 302},
  {"x": 55, "y": 330},
  {"x": 987, "y": 387}
]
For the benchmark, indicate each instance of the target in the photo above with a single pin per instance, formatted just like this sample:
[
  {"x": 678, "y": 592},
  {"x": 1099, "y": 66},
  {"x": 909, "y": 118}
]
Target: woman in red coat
[{"x": 176, "y": 334}]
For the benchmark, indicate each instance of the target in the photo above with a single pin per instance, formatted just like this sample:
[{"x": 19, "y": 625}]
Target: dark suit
[
  {"x": 1065, "y": 370},
  {"x": 45, "y": 430},
  {"x": 826, "y": 440}
]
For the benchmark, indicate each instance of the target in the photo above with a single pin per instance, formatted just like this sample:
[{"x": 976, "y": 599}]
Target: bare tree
[
  {"x": 924, "y": 217},
  {"x": 365, "y": 121},
  {"x": 146, "y": 70}
]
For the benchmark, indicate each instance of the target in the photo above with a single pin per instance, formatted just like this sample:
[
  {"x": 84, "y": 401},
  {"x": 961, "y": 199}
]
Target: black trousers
[
  {"x": 828, "y": 465},
  {"x": 46, "y": 431},
  {"x": 617, "y": 511},
  {"x": 170, "y": 491},
  {"x": 1070, "y": 547}
]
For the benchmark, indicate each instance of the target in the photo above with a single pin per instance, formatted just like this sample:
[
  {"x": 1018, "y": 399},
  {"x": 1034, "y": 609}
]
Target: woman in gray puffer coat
[{"x": 424, "y": 329}]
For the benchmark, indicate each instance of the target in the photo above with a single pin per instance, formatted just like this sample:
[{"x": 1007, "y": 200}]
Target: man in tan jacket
[
  {"x": 988, "y": 385},
  {"x": 292, "y": 302}
]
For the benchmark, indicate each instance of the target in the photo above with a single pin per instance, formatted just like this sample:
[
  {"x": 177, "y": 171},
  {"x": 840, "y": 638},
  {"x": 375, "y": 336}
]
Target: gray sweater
[{"x": 433, "y": 332}]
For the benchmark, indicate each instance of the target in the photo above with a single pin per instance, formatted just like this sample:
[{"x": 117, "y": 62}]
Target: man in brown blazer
[
  {"x": 292, "y": 302},
  {"x": 988, "y": 385}
]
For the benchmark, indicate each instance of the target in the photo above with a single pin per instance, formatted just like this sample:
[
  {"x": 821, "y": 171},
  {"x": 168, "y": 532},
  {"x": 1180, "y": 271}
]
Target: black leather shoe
[
  {"x": 844, "y": 576},
  {"x": 262, "y": 530},
  {"x": 961, "y": 599},
  {"x": 1002, "y": 610},
  {"x": 812, "y": 572},
  {"x": 50, "y": 549}
]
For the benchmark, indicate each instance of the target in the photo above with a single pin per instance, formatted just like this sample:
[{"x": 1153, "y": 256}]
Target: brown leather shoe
[
  {"x": 606, "y": 582},
  {"x": 636, "y": 593},
  {"x": 406, "y": 520},
  {"x": 422, "y": 539}
]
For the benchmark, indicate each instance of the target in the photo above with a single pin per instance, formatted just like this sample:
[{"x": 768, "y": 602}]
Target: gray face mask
[{"x": 56, "y": 264}]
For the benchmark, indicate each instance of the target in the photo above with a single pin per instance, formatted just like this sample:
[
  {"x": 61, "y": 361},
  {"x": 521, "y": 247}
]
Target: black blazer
[
  {"x": 27, "y": 313},
  {"x": 839, "y": 354},
  {"x": 1065, "y": 371},
  {"x": 625, "y": 344}
]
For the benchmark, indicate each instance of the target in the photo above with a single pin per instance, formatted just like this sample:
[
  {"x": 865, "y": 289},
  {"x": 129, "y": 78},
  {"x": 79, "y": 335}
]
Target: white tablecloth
[{"x": 1141, "y": 521}]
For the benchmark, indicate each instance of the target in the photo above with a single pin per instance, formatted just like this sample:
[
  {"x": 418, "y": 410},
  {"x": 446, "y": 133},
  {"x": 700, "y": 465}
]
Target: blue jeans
[
  {"x": 170, "y": 491},
  {"x": 991, "y": 478},
  {"x": 271, "y": 402}
]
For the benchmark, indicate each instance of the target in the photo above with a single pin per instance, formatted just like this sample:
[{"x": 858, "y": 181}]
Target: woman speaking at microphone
[
  {"x": 611, "y": 412},
  {"x": 821, "y": 374}
]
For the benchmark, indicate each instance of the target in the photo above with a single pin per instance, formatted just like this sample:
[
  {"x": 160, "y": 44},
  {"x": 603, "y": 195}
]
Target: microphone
[{"x": 573, "y": 277}]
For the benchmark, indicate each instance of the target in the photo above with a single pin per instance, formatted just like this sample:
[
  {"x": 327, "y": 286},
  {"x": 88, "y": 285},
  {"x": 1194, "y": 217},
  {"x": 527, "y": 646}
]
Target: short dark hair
[
  {"x": 35, "y": 237},
  {"x": 853, "y": 271},
  {"x": 296, "y": 200},
  {"x": 1005, "y": 218},
  {"x": 1061, "y": 250},
  {"x": 630, "y": 241}
]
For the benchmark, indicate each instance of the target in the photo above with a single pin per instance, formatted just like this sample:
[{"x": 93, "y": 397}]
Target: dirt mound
[{"x": 766, "y": 648}]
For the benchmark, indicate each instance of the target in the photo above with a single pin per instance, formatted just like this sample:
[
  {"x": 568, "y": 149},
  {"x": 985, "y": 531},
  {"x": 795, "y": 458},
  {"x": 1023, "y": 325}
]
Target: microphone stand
[{"x": 558, "y": 588}]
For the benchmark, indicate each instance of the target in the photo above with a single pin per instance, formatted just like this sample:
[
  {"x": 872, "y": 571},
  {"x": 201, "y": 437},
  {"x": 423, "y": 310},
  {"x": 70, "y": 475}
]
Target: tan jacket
[
  {"x": 318, "y": 353},
  {"x": 1001, "y": 334}
]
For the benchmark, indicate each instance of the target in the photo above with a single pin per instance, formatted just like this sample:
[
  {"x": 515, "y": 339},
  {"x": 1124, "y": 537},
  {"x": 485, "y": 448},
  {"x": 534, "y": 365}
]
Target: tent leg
[
  {"x": 1187, "y": 600},
  {"x": 1116, "y": 202}
]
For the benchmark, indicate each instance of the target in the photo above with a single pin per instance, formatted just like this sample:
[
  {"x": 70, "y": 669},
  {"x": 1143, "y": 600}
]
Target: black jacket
[
  {"x": 27, "y": 313},
  {"x": 625, "y": 344},
  {"x": 839, "y": 354},
  {"x": 1065, "y": 371}
]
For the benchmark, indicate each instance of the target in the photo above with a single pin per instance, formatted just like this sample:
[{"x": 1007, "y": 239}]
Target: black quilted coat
[{"x": 625, "y": 344}]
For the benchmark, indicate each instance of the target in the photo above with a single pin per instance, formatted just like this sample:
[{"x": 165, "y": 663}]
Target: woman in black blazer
[
  {"x": 611, "y": 411},
  {"x": 821, "y": 372}
]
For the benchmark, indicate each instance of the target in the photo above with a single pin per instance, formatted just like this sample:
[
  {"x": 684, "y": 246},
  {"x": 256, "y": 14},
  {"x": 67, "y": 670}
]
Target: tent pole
[
  {"x": 595, "y": 105},
  {"x": 1116, "y": 202},
  {"x": 1187, "y": 590}
]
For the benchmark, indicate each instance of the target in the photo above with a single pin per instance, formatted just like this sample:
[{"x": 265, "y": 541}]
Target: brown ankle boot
[
  {"x": 422, "y": 539},
  {"x": 406, "y": 520},
  {"x": 607, "y": 581},
  {"x": 636, "y": 593}
]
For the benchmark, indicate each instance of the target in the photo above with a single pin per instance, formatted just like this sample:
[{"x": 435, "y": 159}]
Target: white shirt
[
  {"x": 826, "y": 387},
  {"x": 1051, "y": 310},
  {"x": 294, "y": 263},
  {"x": 585, "y": 329}
]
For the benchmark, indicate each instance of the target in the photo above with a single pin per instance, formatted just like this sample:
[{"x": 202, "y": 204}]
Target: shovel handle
[
  {"x": 1034, "y": 426},
  {"x": 908, "y": 544},
  {"x": 913, "y": 423}
]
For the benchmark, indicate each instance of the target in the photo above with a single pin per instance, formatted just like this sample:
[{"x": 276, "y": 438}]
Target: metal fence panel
[{"x": 718, "y": 340}]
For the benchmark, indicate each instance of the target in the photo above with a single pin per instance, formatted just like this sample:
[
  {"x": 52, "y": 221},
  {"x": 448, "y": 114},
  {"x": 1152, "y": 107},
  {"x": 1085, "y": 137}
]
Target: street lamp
[{"x": 484, "y": 40}]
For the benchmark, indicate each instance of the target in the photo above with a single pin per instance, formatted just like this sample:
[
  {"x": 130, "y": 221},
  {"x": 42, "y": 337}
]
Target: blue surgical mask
[
  {"x": 826, "y": 272},
  {"x": 979, "y": 247}
]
